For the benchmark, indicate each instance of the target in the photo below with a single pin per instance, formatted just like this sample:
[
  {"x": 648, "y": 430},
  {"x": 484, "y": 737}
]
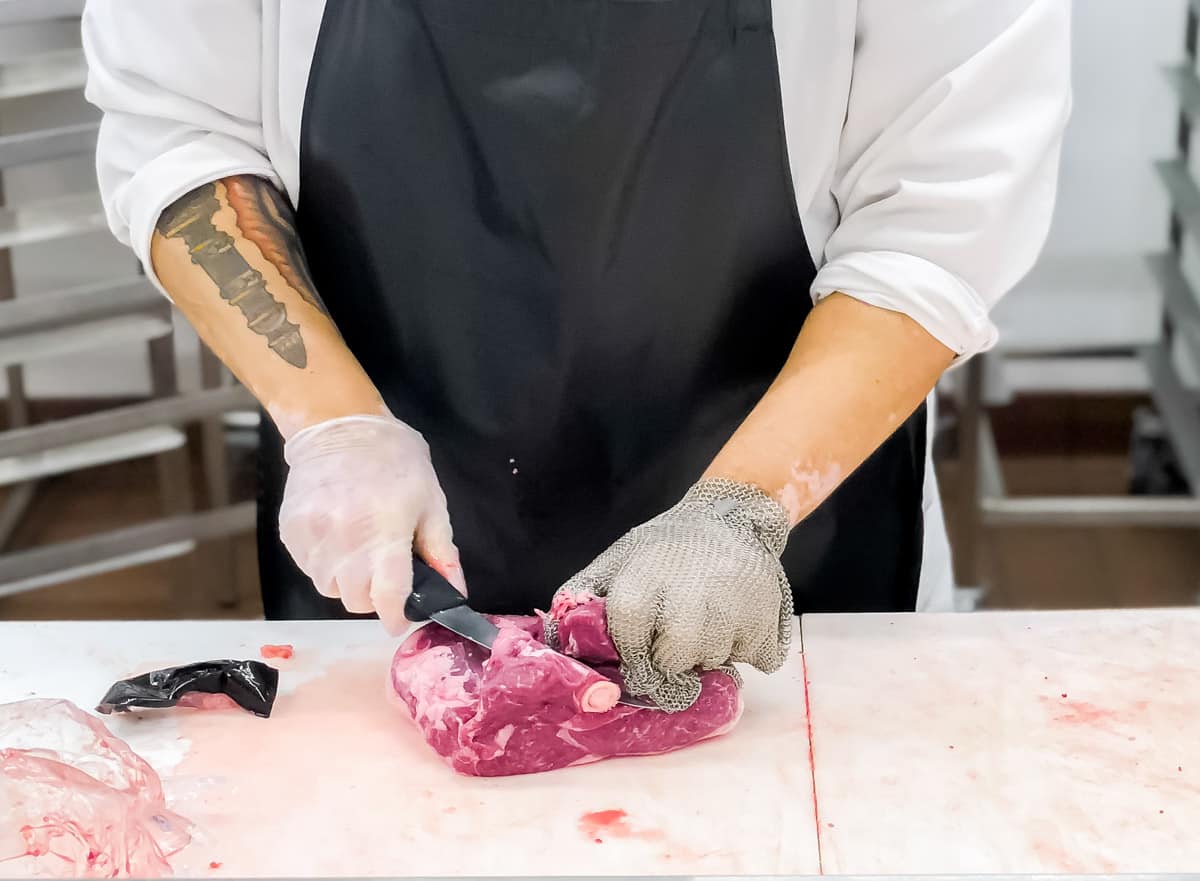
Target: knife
[{"x": 433, "y": 598}]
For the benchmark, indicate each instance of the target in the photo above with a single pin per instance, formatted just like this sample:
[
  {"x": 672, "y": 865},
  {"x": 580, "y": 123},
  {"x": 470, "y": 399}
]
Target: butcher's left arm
[
  {"x": 945, "y": 184},
  {"x": 856, "y": 372}
]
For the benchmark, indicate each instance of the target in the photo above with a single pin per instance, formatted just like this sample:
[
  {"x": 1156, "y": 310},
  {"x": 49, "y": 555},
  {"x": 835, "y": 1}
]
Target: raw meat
[
  {"x": 75, "y": 801},
  {"x": 199, "y": 700},
  {"x": 526, "y": 708},
  {"x": 282, "y": 652}
]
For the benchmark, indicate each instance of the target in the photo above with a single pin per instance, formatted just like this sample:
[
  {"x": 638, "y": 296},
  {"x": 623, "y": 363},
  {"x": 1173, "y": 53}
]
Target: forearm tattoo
[{"x": 263, "y": 217}]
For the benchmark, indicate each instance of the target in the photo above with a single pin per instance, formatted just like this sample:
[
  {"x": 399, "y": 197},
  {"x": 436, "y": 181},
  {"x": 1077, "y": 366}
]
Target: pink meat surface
[
  {"x": 526, "y": 708},
  {"x": 76, "y": 801},
  {"x": 199, "y": 700}
]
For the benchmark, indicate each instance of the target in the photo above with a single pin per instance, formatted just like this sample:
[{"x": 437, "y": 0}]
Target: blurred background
[{"x": 1069, "y": 457}]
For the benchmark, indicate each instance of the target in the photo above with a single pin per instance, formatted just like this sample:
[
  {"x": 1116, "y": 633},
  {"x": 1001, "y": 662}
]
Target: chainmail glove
[{"x": 699, "y": 587}]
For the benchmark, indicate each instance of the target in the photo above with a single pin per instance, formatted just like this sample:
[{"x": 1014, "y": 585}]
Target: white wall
[
  {"x": 1110, "y": 202},
  {"x": 1123, "y": 118},
  {"x": 1091, "y": 288}
]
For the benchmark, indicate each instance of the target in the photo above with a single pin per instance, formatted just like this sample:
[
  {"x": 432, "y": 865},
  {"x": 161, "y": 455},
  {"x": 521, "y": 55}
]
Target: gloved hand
[
  {"x": 697, "y": 588},
  {"x": 360, "y": 496}
]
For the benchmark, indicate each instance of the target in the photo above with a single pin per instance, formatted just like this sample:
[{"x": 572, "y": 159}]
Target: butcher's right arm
[
  {"x": 186, "y": 181},
  {"x": 228, "y": 254}
]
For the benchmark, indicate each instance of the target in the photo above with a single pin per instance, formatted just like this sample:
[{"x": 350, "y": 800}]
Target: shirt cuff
[
  {"x": 941, "y": 302},
  {"x": 176, "y": 172}
]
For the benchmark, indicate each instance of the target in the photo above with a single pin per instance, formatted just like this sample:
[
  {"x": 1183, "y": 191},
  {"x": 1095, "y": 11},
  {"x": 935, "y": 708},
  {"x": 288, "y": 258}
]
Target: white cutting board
[
  {"x": 1007, "y": 742},
  {"x": 338, "y": 783}
]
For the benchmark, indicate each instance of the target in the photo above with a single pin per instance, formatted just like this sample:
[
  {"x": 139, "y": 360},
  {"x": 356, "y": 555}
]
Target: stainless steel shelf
[
  {"x": 176, "y": 410},
  {"x": 1179, "y": 302},
  {"x": 20, "y": 11},
  {"x": 1182, "y": 190},
  {"x": 1178, "y": 409},
  {"x": 1090, "y": 511},
  {"x": 120, "y": 548},
  {"x": 61, "y": 70},
  {"x": 83, "y": 336},
  {"x": 51, "y": 219},
  {"x": 138, "y": 444},
  {"x": 88, "y": 302},
  {"x": 1183, "y": 81},
  {"x": 45, "y": 145}
]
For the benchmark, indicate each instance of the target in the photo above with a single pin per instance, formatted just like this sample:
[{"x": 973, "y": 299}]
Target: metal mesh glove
[
  {"x": 361, "y": 493},
  {"x": 697, "y": 588}
]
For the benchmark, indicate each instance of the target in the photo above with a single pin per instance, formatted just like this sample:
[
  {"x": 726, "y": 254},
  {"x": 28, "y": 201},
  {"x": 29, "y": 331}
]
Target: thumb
[
  {"x": 434, "y": 542},
  {"x": 677, "y": 692}
]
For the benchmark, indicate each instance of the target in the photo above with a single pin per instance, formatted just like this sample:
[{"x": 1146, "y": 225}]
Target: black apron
[{"x": 561, "y": 237}]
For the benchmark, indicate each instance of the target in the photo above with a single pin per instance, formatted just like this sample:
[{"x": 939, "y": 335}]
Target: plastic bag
[
  {"x": 76, "y": 801},
  {"x": 252, "y": 685}
]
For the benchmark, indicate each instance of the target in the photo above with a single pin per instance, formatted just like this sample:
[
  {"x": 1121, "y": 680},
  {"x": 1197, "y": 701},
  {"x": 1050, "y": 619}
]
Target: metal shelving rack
[
  {"x": 984, "y": 500},
  {"x": 123, "y": 312}
]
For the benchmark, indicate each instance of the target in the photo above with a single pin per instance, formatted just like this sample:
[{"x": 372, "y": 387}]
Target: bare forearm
[
  {"x": 855, "y": 373},
  {"x": 229, "y": 255}
]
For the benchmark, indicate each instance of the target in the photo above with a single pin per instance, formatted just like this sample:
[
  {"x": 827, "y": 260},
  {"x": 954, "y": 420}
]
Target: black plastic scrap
[{"x": 251, "y": 685}]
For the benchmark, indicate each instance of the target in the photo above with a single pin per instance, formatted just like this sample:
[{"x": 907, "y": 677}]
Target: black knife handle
[{"x": 431, "y": 593}]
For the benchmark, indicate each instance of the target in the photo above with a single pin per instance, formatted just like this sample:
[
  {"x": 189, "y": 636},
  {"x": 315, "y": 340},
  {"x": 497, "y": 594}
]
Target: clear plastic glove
[
  {"x": 699, "y": 587},
  {"x": 360, "y": 496}
]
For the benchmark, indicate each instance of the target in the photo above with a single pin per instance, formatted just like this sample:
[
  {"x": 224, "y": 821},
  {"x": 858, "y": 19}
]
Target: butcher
[{"x": 646, "y": 297}]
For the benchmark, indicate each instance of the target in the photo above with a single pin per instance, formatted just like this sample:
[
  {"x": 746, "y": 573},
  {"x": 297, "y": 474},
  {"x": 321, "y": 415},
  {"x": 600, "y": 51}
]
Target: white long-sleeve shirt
[{"x": 923, "y": 135}]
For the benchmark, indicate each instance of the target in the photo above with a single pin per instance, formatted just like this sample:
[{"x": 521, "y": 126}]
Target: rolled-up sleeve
[
  {"x": 179, "y": 82},
  {"x": 948, "y": 158}
]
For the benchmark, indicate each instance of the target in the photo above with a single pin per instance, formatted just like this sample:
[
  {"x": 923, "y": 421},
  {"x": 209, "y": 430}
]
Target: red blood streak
[
  {"x": 812, "y": 759},
  {"x": 29, "y": 836},
  {"x": 611, "y": 819},
  {"x": 283, "y": 652},
  {"x": 214, "y": 865},
  {"x": 613, "y": 824},
  {"x": 1085, "y": 713},
  {"x": 1064, "y": 694}
]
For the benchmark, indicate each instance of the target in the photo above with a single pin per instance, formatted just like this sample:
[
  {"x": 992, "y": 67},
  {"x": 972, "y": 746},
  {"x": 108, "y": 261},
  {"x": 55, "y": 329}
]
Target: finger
[
  {"x": 391, "y": 583},
  {"x": 596, "y": 578},
  {"x": 306, "y": 535},
  {"x": 321, "y": 566},
  {"x": 678, "y": 692},
  {"x": 434, "y": 542},
  {"x": 295, "y": 534},
  {"x": 353, "y": 583},
  {"x": 319, "y": 563},
  {"x": 765, "y": 645},
  {"x": 301, "y": 527},
  {"x": 632, "y": 622},
  {"x": 687, "y": 640}
]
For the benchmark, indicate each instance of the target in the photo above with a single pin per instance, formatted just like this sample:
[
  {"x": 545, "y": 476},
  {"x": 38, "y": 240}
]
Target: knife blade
[{"x": 433, "y": 598}]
